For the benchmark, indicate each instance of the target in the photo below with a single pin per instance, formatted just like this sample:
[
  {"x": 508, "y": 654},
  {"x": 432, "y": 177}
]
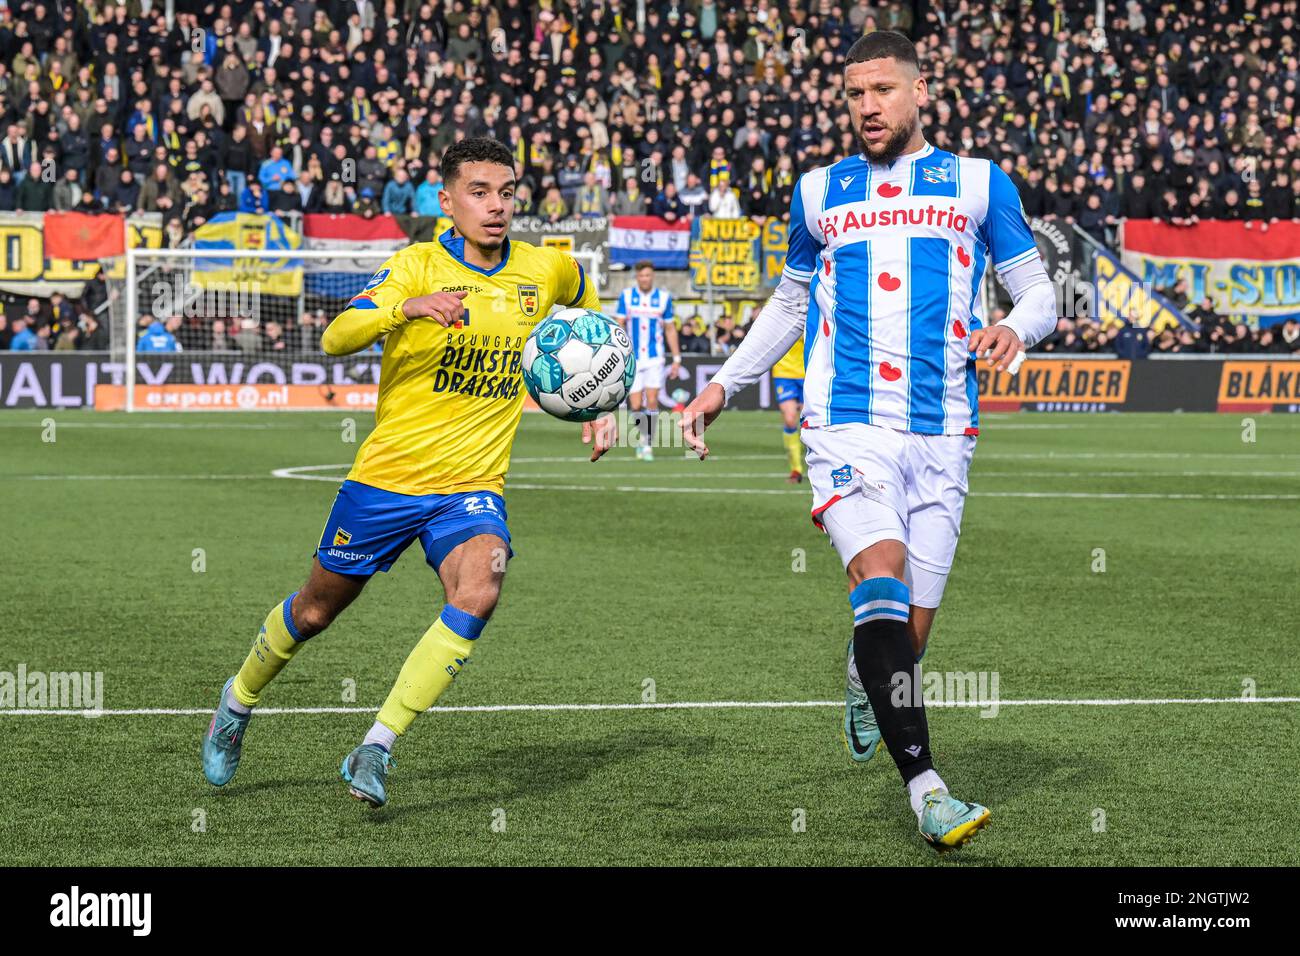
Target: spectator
[
  {"x": 427, "y": 202},
  {"x": 23, "y": 338},
  {"x": 723, "y": 203},
  {"x": 275, "y": 171},
  {"x": 94, "y": 336},
  {"x": 590, "y": 200},
  {"x": 34, "y": 194},
  {"x": 668, "y": 204},
  {"x": 399, "y": 194},
  {"x": 157, "y": 338}
]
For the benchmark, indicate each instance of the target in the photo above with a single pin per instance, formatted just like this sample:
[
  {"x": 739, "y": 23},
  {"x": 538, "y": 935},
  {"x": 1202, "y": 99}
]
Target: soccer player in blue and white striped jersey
[
  {"x": 646, "y": 313},
  {"x": 887, "y": 251}
]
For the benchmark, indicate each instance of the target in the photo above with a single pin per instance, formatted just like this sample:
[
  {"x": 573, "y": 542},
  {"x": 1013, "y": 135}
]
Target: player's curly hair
[
  {"x": 474, "y": 149},
  {"x": 880, "y": 44}
]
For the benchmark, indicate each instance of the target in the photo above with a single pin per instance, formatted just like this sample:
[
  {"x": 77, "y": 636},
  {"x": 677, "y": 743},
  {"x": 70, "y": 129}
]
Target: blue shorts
[
  {"x": 788, "y": 390},
  {"x": 368, "y": 528}
]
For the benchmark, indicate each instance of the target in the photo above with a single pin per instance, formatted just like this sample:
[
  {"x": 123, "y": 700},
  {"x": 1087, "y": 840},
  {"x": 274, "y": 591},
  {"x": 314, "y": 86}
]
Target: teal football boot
[
  {"x": 947, "y": 823},
  {"x": 861, "y": 734},
  {"x": 365, "y": 770},
  {"x": 224, "y": 741}
]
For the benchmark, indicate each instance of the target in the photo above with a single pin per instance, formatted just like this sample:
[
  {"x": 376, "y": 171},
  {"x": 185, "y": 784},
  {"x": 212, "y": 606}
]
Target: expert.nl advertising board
[{"x": 224, "y": 382}]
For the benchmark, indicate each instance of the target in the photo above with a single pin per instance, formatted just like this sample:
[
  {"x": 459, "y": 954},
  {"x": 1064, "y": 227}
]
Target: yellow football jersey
[
  {"x": 790, "y": 365},
  {"x": 450, "y": 399}
]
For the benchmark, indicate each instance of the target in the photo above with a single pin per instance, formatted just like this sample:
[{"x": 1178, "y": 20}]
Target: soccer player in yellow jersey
[
  {"x": 787, "y": 379},
  {"x": 454, "y": 314}
]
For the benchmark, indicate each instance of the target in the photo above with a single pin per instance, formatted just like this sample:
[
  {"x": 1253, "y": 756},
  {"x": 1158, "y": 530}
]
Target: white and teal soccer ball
[{"x": 578, "y": 364}]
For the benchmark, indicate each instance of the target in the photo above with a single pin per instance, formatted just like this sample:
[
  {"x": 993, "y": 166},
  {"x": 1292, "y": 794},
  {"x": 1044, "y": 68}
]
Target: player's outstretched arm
[
  {"x": 356, "y": 329},
  {"x": 777, "y": 327},
  {"x": 1031, "y": 318}
]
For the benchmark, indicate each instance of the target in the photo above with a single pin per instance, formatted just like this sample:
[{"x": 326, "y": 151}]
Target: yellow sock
[
  {"x": 793, "y": 449},
  {"x": 430, "y": 668},
  {"x": 275, "y": 644}
]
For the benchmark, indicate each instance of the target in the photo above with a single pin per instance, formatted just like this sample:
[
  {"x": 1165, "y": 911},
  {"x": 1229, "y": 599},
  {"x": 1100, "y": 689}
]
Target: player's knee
[
  {"x": 479, "y": 598},
  {"x": 311, "y": 617}
]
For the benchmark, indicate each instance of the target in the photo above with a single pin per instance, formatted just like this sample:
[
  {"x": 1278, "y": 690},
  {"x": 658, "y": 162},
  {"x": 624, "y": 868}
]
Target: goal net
[{"x": 222, "y": 330}]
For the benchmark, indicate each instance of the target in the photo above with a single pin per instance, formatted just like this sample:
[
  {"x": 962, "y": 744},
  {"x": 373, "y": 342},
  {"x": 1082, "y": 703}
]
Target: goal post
[{"x": 240, "y": 330}]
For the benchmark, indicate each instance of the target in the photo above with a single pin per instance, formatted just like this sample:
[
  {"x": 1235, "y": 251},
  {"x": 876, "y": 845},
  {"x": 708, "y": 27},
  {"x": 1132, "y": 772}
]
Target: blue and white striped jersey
[
  {"x": 644, "y": 314},
  {"x": 895, "y": 255}
]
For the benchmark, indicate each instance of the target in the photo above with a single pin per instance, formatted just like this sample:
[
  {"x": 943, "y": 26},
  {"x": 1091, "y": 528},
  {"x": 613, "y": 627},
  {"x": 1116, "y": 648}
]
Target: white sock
[
  {"x": 233, "y": 702},
  {"x": 854, "y": 679},
  {"x": 919, "y": 786},
  {"x": 379, "y": 734}
]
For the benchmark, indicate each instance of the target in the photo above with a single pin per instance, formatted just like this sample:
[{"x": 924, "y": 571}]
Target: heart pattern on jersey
[
  {"x": 889, "y": 373},
  {"x": 958, "y": 329},
  {"x": 889, "y": 190},
  {"x": 888, "y": 283},
  {"x": 826, "y": 327},
  {"x": 963, "y": 256},
  {"x": 828, "y": 267}
]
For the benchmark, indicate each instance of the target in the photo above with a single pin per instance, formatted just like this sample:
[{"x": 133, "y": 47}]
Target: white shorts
[
  {"x": 872, "y": 483},
  {"x": 649, "y": 374}
]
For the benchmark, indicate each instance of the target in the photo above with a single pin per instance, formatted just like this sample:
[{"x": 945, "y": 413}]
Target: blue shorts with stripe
[
  {"x": 788, "y": 390},
  {"x": 368, "y": 528}
]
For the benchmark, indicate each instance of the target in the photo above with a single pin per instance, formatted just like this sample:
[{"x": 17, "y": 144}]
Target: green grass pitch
[{"x": 708, "y": 580}]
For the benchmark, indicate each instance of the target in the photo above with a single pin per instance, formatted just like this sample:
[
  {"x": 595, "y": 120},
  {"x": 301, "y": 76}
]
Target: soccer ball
[{"x": 578, "y": 364}]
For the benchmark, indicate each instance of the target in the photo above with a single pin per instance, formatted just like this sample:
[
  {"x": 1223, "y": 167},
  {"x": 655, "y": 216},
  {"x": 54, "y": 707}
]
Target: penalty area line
[{"x": 669, "y": 705}]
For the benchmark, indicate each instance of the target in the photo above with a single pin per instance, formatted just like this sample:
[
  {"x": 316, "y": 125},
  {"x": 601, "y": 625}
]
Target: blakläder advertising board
[{"x": 228, "y": 381}]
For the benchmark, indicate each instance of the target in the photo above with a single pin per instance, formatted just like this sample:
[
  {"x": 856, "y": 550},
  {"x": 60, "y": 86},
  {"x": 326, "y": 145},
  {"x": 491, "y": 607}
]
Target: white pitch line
[
  {"x": 136, "y": 477},
  {"x": 674, "y": 705},
  {"x": 660, "y": 490}
]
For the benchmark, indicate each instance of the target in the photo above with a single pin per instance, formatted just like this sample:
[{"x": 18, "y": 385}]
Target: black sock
[
  {"x": 888, "y": 669},
  {"x": 640, "y": 421}
]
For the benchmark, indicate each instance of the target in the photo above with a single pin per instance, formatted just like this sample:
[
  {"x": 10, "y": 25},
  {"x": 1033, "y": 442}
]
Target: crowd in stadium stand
[{"x": 1177, "y": 111}]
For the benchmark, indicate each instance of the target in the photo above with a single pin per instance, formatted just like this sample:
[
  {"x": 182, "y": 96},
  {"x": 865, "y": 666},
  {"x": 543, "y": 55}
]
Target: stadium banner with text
[
  {"x": 725, "y": 254},
  {"x": 1055, "y": 385},
  {"x": 1122, "y": 295},
  {"x": 586, "y": 234},
  {"x": 28, "y": 269},
  {"x": 666, "y": 244},
  {"x": 1245, "y": 270},
  {"x": 775, "y": 237},
  {"x": 246, "y": 230},
  {"x": 1056, "y": 244},
  {"x": 343, "y": 278},
  {"x": 1259, "y": 386}
]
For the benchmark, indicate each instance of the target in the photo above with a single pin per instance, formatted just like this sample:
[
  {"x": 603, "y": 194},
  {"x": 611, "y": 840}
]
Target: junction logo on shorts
[
  {"x": 842, "y": 476},
  {"x": 341, "y": 536}
]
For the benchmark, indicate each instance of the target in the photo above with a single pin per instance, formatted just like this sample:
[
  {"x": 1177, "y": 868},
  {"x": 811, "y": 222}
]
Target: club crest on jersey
[
  {"x": 528, "y": 299},
  {"x": 841, "y": 476},
  {"x": 341, "y": 536},
  {"x": 934, "y": 174}
]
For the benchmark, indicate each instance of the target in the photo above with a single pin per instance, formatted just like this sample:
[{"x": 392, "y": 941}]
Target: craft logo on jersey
[
  {"x": 528, "y": 299},
  {"x": 842, "y": 476},
  {"x": 341, "y": 536}
]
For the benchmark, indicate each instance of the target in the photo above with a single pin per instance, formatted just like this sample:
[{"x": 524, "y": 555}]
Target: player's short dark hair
[
  {"x": 643, "y": 264},
  {"x": 475, "y": 149},
  {"x": 880, "y": 44}
]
